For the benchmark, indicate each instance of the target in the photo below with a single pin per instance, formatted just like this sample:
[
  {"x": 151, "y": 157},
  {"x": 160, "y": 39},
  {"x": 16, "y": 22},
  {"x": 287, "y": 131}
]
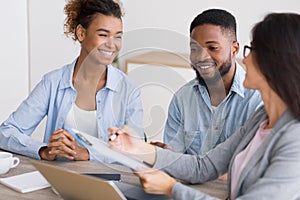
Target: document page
[
  {"x": 26, "y": 182},
  {"x": 101, "y": 148}
]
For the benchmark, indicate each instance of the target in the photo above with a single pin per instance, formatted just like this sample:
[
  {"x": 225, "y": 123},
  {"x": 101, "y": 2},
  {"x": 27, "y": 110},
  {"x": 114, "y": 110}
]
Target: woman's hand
[
  {"x": 129, "y": 142},
  {"x": 63, "y": 144},
  {"x": 156, "y": 182},
  {"x": 162, "y": 145}
]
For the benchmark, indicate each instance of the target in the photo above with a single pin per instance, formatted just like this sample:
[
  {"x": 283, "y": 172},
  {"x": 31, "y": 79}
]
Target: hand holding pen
[
  {"x": 127, "y": 141},
  {"x": 123, "y": 139},
  {"x": 113, "y": 137}
]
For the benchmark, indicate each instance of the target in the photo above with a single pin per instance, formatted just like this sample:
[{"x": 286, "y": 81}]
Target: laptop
[{"x": 72, "y": 185}]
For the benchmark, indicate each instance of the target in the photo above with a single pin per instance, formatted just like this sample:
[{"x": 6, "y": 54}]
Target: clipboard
[{"x": 100, "y": 149}]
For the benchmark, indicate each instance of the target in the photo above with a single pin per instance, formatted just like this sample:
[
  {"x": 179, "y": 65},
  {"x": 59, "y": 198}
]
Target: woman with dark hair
[
  {"x": 263, "y": 157},
  {"x": 89, "y": 94}
]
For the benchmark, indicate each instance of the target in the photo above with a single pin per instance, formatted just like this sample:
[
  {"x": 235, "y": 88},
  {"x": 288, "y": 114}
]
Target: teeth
[
  {"x": 204, "y": 67},
  {"x": 108, "y": 53}
]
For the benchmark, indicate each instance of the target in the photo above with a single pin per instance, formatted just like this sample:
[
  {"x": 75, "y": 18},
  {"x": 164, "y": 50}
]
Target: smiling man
[{"x": 210, "y": 108}]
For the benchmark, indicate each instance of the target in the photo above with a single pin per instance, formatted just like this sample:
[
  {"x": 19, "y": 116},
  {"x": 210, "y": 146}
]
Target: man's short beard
[{"x": 223, "y": 70}]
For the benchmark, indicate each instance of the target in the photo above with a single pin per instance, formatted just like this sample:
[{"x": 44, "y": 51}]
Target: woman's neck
[
  {"x": 88, "y": 69},
  {"x": 275, "y": 107}
]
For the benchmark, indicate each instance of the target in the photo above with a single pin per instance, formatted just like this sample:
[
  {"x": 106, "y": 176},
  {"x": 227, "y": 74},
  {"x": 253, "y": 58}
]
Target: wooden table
[{"x": 215, "y": 188}]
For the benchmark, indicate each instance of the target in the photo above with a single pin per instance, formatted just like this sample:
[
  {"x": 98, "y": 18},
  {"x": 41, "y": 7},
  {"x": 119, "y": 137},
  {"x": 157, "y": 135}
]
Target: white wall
[
  {"x": 13, "y": 55},
  {"x": 150, "y": 24},
  {"x": 49, "y": 47},
  {"x": 173, "y": 17}
]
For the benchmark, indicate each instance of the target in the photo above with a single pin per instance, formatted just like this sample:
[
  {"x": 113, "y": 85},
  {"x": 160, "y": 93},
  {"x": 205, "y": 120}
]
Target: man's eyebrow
[
  {"x": 107, "y": 31},
  {"x": 212, "y": 42},
  {"x": 206, "y": 43}
]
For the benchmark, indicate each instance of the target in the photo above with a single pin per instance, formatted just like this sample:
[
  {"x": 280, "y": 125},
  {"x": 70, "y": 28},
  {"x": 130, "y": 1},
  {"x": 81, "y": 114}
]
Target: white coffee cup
[{"x": 7, "y": 161}]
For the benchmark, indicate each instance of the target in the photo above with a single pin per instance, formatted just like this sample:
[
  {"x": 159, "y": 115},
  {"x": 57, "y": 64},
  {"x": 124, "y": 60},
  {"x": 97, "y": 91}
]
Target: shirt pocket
[{"x": 193, "y": 140}]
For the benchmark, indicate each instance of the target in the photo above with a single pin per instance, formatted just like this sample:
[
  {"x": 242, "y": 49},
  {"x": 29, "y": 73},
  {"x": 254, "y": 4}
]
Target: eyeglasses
[{"x": 247, "y": 50}]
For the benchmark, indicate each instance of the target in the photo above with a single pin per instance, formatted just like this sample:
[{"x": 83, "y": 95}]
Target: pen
[
  {"x": 78, "y": 136},
  {"x": 83, "y": 139},
  {"x": 113, "y": 137}
]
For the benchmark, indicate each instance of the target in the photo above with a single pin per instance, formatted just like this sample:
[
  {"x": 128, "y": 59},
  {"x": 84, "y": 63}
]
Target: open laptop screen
[{"x": 75, "y": 186}]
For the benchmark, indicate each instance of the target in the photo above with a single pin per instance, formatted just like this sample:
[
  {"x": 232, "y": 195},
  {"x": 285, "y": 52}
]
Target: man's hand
[{"x": 63, "y": 144}]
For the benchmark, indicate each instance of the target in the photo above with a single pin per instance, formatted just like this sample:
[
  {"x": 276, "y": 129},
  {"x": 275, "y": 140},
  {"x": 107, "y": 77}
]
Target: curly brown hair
[{"x": 84, "y": 11}]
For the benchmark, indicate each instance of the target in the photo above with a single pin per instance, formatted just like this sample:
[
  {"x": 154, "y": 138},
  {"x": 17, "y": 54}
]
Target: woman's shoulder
[
  {"x": 116, "y": 75},
  {"x": 256, "y": 118},
  {"x": 58, "y": 73},
  {"x": 116, "y": 72},
  {"x": 290, "y": 126}
]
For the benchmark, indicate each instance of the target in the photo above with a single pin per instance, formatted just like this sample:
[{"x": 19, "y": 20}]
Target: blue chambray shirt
[
  {"x": 118, "y": 103},
  {"x": 194, "y": 126}
]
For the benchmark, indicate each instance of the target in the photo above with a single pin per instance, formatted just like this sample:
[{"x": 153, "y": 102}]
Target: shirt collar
[
  {"x": 67, "y": 75},
  {"x": 112, "y": 78},
  {"x": 237, "y": 84},
  {"x": 238, "y": 81}
]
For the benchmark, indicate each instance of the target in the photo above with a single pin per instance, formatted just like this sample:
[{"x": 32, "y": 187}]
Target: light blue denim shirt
[
  {"x": 118, "y": 103},
  {"x": 194, "y": 126}
]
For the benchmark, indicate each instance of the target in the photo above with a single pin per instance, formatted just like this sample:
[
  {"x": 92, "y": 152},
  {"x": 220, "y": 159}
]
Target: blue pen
[
  {"x": 78, "y": 136},
  {"x": 84, "y": 139}
]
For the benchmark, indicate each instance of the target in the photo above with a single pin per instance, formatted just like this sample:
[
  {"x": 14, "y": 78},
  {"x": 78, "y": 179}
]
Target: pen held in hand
[{"x": 113, "y": 137}]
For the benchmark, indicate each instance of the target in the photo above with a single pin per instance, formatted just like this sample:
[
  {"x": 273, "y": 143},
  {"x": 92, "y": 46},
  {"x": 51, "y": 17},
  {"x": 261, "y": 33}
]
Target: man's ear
[
  {"x": 235, "y": 48},
  {"x": 80, "y": 32}
]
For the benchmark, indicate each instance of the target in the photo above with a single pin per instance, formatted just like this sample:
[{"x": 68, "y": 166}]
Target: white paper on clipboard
[{"x": 101, "y": 148}]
